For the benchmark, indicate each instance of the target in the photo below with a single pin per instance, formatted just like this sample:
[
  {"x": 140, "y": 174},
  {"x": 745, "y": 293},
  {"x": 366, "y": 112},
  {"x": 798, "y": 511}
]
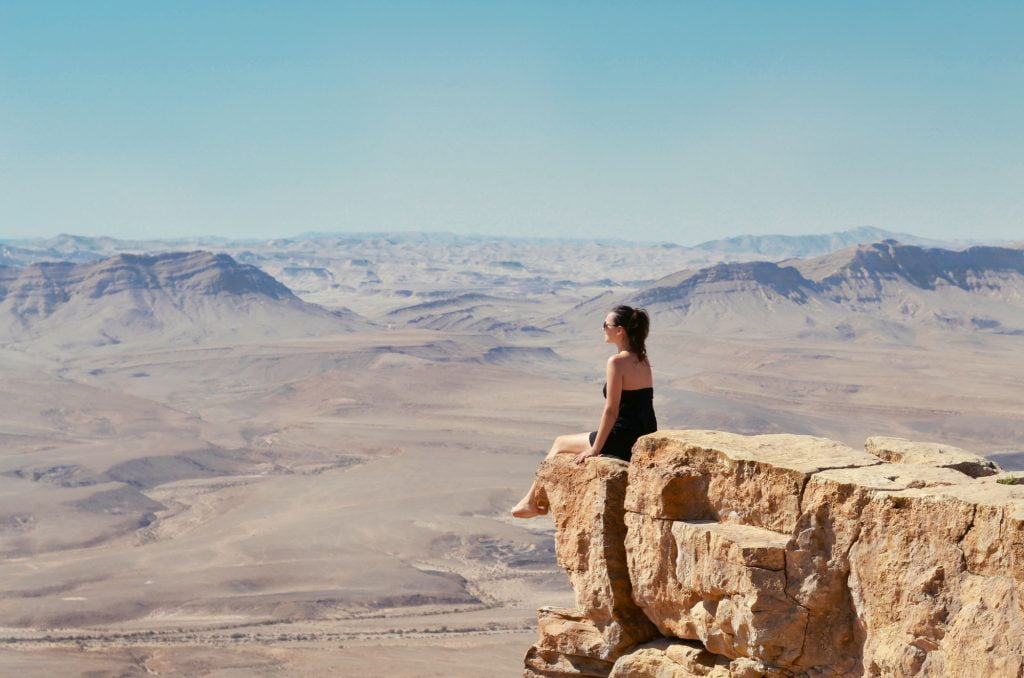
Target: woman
[{"x": 628, "y": 408}]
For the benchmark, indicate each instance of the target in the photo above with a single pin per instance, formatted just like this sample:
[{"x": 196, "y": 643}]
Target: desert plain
[{"x": 204, "y": 474}]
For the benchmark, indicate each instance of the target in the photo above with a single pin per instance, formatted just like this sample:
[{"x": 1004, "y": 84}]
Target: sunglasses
[{"x": 606, "y": 325}]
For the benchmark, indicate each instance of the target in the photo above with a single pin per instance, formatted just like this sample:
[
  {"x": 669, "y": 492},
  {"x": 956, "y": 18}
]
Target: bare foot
[{"x": 524, "y": 509}]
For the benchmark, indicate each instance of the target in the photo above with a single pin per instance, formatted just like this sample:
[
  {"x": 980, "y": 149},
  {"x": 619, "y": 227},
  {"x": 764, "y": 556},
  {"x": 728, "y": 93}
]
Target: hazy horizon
[{"x": 413, "y": 234}]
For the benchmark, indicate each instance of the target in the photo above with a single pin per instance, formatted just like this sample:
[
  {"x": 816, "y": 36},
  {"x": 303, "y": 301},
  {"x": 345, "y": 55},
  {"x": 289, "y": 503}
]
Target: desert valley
[{"x": 296, "y": 457}]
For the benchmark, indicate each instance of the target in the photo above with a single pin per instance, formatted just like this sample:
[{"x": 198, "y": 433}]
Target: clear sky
[{"x": 680, "y": 121}]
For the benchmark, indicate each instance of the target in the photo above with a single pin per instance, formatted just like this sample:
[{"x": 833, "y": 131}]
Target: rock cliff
[{"x": 728, "y": 556}]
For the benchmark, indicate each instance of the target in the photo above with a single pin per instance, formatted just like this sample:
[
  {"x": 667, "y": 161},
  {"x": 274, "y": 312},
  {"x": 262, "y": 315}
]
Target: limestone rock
[
  {"x": 725, "y": 584},
  {"x": 586, "y": 503},
  {"x": 664, "y": 658},
  {"x": 931, "y": 454},
  {"x": 817, "y": 564},
  {"x": 710, "y": 475},
  {"x": 568, "y": 646},
  {"x": 784, "y": 556},
  {"x": 938, "y": 582},
  {"x": 566, "y": 632},
  {"x": 722, "y": 584}
]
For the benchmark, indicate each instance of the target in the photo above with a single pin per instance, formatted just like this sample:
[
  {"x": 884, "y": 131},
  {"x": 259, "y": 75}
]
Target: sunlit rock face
[
  {"x": 783, "y": 555},
  {"x": 586, "y": 503}
]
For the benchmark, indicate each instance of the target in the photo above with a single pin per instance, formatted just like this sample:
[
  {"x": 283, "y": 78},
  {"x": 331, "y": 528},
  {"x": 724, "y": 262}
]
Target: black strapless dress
[{"x": 636, "y": 418}]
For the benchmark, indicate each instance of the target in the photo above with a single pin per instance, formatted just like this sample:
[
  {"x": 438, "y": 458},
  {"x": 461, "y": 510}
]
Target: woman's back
[{"x": 636, "y": 373}]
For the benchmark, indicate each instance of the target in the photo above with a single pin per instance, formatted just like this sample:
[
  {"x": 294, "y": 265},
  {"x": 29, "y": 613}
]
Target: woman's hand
[{"x": 585, "y": 454}]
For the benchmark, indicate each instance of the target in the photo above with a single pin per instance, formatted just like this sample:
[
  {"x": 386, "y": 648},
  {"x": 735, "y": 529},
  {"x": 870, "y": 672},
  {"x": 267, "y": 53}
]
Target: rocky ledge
[{"x": 726, "y": 556}]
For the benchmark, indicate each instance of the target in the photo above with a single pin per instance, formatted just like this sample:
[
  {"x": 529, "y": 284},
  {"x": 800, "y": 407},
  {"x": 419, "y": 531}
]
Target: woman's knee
[
  {"x": 559, "y": 445},
  {"x": 568, "y": 444}
]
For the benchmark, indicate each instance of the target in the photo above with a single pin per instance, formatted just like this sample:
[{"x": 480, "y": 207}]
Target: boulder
[
  {"x": 671, "y": 659},
  {"x": 904, "y": 451},
  {"x": 569, "y": 645},
  {"x": 664, "y": 658}
]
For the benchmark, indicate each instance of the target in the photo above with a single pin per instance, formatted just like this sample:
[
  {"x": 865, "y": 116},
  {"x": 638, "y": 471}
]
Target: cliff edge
[{"x": 726, "y": 556}]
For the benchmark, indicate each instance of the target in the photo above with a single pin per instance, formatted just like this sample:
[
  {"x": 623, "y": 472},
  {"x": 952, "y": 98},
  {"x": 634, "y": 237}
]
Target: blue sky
[{"x": 679, "y": 121}]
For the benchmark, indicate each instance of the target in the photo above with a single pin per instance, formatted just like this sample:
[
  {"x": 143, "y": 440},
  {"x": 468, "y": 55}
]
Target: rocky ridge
[
  {"x": 860, "y": 273},
  {"x": 882, "y": 284},
  {"x": 776, "y": 247},
  {"x": 721, "y": 555},
  {"x": 166, "y": 298}
]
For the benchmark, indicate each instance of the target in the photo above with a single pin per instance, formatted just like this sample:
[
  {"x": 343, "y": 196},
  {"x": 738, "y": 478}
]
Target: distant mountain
[
  {"x": 165, "y": 298},
  {"x": 869, "y": 272},
  {"x": 765, "y": 279},
  {"x": 251, "y": 250},
  {"x": 79, "y": 248},
  {"x": 68, "y": 248},
  {"x": 85, "y": 249},
  {"x": 776, "y": 247},
  {"x": 888, "y": 288}
]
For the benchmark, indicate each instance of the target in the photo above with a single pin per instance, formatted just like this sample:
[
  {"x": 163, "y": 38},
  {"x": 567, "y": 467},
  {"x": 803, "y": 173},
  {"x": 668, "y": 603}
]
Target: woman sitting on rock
[{"x": 628, "y": 408}]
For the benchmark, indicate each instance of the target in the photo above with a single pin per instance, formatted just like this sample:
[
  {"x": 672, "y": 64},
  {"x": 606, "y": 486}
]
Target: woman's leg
[{"x": 567, "y": 444}]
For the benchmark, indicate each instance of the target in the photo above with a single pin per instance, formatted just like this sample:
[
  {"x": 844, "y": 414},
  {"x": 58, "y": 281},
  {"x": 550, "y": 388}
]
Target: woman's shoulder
[
  {"x": 625, "y": 359},
  {"x": 621, "y": 359}
]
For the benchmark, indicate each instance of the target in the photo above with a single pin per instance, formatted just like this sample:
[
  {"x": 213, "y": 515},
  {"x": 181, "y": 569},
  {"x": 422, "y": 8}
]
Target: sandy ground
[
  {"x": 337, "y": 506},
  {"x": 482, "y": 656}
]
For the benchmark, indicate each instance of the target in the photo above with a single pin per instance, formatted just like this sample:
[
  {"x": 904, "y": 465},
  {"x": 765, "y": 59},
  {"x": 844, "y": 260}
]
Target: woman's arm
[{"x": 613, "y": 388}]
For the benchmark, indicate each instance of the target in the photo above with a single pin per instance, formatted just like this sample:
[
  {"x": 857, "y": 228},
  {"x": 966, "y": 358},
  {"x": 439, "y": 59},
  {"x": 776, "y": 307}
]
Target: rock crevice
[{"x": 715, "y": 554}]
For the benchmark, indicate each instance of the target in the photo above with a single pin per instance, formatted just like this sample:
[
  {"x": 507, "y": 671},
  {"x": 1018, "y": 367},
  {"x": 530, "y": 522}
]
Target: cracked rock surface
[
  {"x": 586, "y": 504},
  {"x": 931, "y": 454},
  {"x": 784, "y": 555}
]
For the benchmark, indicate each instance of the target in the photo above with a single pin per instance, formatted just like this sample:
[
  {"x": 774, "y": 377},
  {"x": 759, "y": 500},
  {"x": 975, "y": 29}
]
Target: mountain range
[
  {"x": 167, "y": 298},
  {"x": 776, "y": 247},
  {"x": 773, "y": 247},
  {"x": 885, "y": 285},
  {"x": 880, "y": 291}
]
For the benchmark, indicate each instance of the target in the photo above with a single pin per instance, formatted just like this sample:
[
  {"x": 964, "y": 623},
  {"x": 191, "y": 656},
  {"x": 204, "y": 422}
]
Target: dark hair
[{"x": 636, "y": 323}]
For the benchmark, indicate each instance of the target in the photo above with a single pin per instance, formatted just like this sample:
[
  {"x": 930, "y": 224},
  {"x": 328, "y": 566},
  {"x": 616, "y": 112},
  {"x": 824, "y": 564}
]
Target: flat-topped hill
[{"x": 878, "y": 285}]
